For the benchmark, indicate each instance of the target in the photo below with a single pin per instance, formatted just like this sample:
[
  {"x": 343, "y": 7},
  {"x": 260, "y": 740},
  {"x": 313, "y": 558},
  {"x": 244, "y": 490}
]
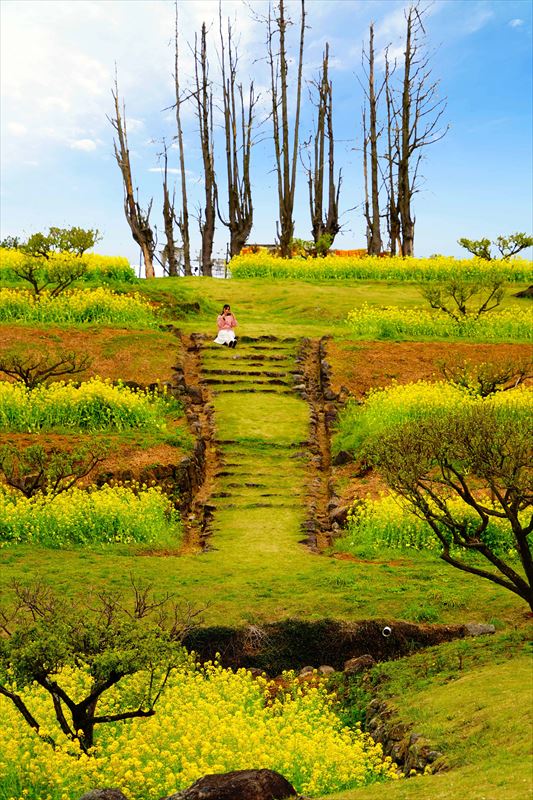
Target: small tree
[
  {"x": 463, "y": 300},
  {"x": 108, "y": 639},
  {"x": 33, "y": 470},
  {"x": 481, "y": 455},
  {"x": 486, "y": 379},
  {"x": 37, "y": 367},
  {"x": 508, "y": 246},
  {"x": 54, "y": 276},
  {"x": 74, "y": 240}
]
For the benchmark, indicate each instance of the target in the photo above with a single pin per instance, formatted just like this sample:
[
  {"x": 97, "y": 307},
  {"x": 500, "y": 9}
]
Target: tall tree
[
  {"x": 420, "y": 115},
  {"x": 238, "y": 124},
  {"x": 328, "y": 223},
  {"x": 170, "y": 252},
  {"x": 204, "y": 108},
  {"x": 370, "y": 137},
  {"x": 138, "y": 219},
  {"x": 391, "y": 159},
  {"x": 182, "y": 219},
  {"x": 285, "y": 158}
]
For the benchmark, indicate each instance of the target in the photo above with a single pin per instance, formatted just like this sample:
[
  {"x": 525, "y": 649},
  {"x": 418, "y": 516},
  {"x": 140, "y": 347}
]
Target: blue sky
[{"x": 58, "y": 61}]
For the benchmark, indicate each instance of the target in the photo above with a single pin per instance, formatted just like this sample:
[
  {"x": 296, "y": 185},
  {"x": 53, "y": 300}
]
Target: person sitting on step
[{"x": 226, "y": 322}]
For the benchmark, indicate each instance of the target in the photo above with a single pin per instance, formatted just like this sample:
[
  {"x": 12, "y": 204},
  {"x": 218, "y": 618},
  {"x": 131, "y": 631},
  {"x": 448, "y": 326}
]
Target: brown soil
[
  {"x": 359, "y": 366},
  {"x": 122, "y": 455},
  {"x": 141, "y": 356}
]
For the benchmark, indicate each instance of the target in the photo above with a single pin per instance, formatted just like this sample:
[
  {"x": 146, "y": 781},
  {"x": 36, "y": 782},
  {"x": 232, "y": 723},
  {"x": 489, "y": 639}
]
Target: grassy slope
[
  {"x": 480, "y": 717},
  {"x": 258, "y": 571}
]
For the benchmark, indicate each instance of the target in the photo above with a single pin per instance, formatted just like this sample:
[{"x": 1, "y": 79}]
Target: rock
[
  {"x": 326, "y": 670},
  {"x": 339, "y": 515},
  {"x": 104, "y": 794},
  {"x": 525, "y": 292},
  {"x": 360, "y": 664},
  {"x": 306, "y": 671},
  {"x": 479, "y": 628},
  {"x": 342, "y": 457},
  {"x": 247, "y": 784}
]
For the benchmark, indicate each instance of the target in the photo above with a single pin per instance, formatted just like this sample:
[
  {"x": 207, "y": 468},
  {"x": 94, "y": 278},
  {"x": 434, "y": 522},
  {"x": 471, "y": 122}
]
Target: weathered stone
[
  {"x": 104, "y": 794},
  {"x": 248, "y": 784},
  {"x": 360, "y": 664},
  {"x": 342, "y": 457},
  {"x": 339, "y": 515},
  {"x": 325, "y": 669},
  {"x": 306, "y": 671},
  {"x": 479, "y": 628}
]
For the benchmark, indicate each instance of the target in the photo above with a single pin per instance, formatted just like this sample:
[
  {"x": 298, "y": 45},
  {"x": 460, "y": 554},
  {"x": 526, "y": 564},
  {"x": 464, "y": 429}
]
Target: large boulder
[
  {"x": 247, "y": 784},
  {"x": 104, "y": 794}
]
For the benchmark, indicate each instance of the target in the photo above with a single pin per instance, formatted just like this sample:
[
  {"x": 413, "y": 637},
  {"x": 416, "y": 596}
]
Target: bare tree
[
  {"x": 137, "y": 218},
  {"x": 285, "y": 159},
  {"x": 182, "y": 219},
  {"x": 36, "y": 367},
  {"x": 170, "y": 252},
  {"x": 328, "y": 223},
  {"x": 238, "y": 124},
  {"x": 391, "y": 159},
  {"x": 204, "y": 106},
  {"x": 370, "y": 137},
  {"x": 419, "y": 120}
]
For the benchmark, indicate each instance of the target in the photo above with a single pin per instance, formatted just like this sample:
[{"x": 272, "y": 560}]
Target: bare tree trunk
[
  {"x": 404, "y": 184},
  {"x": 372, "y": 214},
  {"x": 168, "y": 221},
  {"x": 138, "y": 220},
  {"x": 285, "y": 161},
  {"x": 392, "y": 157},
  {"x": 204, "y": 101},
  {"x": 238, "y": 132},
  {"x": 329, "y": 223},
  {"x": 420, "y": 120},
  {"x": 183, "y": 219},
  {"x": 368, "y": 218}
]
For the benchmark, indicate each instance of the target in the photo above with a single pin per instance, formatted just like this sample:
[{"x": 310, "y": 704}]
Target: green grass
[
  {"x": 289, "y": 308},
  {"x": 473, "y": 701}
]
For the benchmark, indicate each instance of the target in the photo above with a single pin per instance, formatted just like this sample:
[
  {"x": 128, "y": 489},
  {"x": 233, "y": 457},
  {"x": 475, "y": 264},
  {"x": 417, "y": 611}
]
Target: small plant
[
  {"x": 508, "y": 246},
  {"x": 37, "y": 368},
  {"x": 34, "y": 470},
  {"x": 462, "y": 300},
  {"x": 487, "y": 379}
]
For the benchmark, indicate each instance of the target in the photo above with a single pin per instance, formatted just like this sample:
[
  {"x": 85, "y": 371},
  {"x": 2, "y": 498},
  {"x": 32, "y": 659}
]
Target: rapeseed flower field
[
  {"x": 99, "y": 268},
  {"x": 94, "y": 405},
  {"x": 392, "y": 268},
  {"x": 107, "y": 515},
  {"x": 209, "y": 719},
  {"x": 79, "y": 306},
  {"x": 407, "y": 323}
]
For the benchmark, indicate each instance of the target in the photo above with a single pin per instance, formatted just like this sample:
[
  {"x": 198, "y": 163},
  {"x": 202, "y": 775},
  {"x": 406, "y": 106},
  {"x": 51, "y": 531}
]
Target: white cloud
[
  {"x": 86, "y": 145},
  {"x": 515, "y": 23},
  {"x": 170, "y": 170},
  {"x": 17, "y": 129}
]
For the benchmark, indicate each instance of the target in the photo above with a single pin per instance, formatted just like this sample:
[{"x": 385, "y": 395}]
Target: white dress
[{"x": 225, "y": 336}]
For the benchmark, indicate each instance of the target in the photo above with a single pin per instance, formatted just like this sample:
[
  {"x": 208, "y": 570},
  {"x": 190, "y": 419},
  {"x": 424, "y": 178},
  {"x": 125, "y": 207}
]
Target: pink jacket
[{"x": 226, "y": 323}]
